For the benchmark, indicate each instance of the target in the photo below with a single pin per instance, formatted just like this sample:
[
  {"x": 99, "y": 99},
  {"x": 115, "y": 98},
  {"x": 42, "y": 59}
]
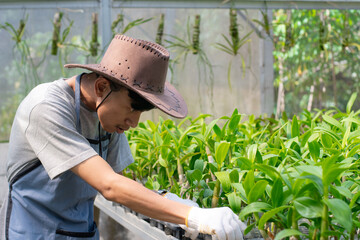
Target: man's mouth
[{"x": 121, "y": 130}]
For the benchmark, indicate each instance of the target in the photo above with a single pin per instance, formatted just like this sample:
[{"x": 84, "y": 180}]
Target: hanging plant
[
  {"x": 234, "y": 43},
  {"x": 56, "y": 33},
  {"x": 234, "y": 31},
  {"x": 25, "y": 64},
  {"x": 289, "y": 41},
  {"x": 20, "y": 30},
  {"x": 160, "y": 30},
  {"x": 192, "y": 44},
  {"x": 196, "y": 35},
  {"x": 321, "y": 35},
  {"x": 265, "y": 23},
  {"x": 346, "y": 32},
  {"x": 117, "y": 26},
  {"x": 94, "y": 45},
  {"x": 322, "y": 32},
  {"x": 118, "y": 22},
  {"x": 16, "y": 34}
]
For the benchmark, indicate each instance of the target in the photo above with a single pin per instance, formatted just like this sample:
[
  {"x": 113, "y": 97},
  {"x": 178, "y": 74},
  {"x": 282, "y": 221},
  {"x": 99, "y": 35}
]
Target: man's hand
[{"x": 221, "y": 223}]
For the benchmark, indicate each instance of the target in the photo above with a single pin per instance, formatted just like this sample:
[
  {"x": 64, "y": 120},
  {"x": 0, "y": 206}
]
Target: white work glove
[
  {"x": 189, "y": 232},
  {"x": 221, "y": 223}
]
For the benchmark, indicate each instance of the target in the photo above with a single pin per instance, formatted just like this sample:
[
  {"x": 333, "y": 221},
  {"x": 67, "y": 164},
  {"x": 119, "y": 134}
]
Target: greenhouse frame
[{"x": 239, "y": 117}]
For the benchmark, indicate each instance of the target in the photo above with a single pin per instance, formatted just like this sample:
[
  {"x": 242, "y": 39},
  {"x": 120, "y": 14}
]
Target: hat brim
[{"x": 170, "y": 101}]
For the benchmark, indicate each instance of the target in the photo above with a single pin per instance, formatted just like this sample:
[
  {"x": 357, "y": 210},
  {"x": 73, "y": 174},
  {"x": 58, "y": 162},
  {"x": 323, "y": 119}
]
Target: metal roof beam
[
  {"x": 23, "y": 4},
  {"x": 241, "y": 4}
]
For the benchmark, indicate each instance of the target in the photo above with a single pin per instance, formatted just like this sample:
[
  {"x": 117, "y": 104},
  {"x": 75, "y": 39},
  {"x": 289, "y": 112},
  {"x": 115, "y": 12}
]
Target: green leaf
[
  {"x": 234, "y": 122},
  {"x": 295, "y": 130},
  {"x": 326, "y": 140},
  {"x": 252, "y": 152},
  {"x": 308, "y": 207},
  {"x": 331, "y": 170},
  {"x": 209, "y": 128},
  {"x": 197, "y": 135},
  {"x": 157, "y": 138},
  {"x": 277, "y": 193},
  {"x": 224, "y": 179},
  {"x": 234, "y": 176},
  {"x": 163, "y": 162},
  {"x": 244, "y": 163},
  {"x": 341, "y": 212},
  {"x": 351, "y": 102},
  {"x": 234, "y": 202},
  {"x": 249, "y": 182},
  {"x": 221, "y": 153},
  {"x": 354, "y": 199},
  {"x": 217, "y": 130},
  {"x": 268, "y": 215},
  {"x": 257, "y": 191},
  {"x": 333, "y": 122},
  {"x": 288, "y": 233},
  {"x": 268, "y": 170},
  {"x": 199, "y": 164},
  {"x": 195, "y": 175},
  {"x": 254, "y": 207},
  {"x": 314, "y": 149}
]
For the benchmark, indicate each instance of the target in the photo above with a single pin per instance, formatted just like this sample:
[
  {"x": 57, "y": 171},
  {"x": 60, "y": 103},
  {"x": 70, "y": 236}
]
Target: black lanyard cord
[{"x": 100, "y": 146}]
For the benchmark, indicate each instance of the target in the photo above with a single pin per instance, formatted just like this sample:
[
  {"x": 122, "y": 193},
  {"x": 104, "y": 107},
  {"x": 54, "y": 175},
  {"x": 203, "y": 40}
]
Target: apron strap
[{"x": 77, "y": 102}]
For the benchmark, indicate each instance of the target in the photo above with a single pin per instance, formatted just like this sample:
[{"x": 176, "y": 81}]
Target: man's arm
[{"x": 115, "y": 187}]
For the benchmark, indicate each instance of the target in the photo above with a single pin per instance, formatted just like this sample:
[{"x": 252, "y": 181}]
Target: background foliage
[{"x": 316, "y": 55}]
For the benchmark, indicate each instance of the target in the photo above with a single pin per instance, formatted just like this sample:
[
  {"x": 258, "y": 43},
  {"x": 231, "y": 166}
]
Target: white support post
[
  {"x": 267, "y": 71},
  {"x": 105, "y": 16}
]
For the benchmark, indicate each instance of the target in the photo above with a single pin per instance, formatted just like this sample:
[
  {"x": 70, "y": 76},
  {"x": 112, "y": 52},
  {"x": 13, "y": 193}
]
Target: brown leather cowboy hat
[{"x": 140, "y": 66}]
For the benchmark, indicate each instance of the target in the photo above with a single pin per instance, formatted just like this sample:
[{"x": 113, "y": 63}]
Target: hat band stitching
[
  {"x": 162, "y": 52},
  {"x": 147, "y": 88},
  {"x": 173, "y": 108}
]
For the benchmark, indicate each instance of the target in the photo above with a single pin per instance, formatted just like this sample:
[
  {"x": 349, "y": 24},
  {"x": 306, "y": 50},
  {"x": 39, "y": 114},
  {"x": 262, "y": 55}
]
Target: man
[{"x": 67, "y": 144}]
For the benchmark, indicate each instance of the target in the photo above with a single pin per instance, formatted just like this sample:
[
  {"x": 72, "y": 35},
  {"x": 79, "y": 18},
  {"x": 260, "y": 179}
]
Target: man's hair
[{"x": 138, "y": 103}]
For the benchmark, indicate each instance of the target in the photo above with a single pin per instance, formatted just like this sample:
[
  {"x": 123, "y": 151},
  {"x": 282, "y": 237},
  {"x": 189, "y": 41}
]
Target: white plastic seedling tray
[{"x": 144, "y": 227}]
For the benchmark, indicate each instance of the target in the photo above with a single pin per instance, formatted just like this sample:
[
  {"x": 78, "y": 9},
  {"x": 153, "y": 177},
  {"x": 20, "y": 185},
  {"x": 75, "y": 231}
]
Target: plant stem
[
  {"x": 169, "y": 177},
  {"x": 160, "y": 30},
  {"x": 56, "y": 32},
  {"x": 262, "y": 231},
  {"x": 211, "y": 160},
  {"x": 216, "y": 193},
  {"x": 94, "y": 40},
  {"x": 119, "y": 20},
  {"x": 180, "y": 172},
  {"x": 324, "y": 217},
  {"x": 234, "y": 32},
  {"x": 196, "y": 34},
  {"x": 294, "y": 223}
]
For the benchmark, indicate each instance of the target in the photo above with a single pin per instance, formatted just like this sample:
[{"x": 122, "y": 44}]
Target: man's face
[{"x": 115, "y": 113}]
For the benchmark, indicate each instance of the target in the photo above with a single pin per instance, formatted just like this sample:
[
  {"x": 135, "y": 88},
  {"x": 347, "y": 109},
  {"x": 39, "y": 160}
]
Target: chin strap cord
[
  {"x": 100, "y": 147},
  {"x": 103, "y": 100}
]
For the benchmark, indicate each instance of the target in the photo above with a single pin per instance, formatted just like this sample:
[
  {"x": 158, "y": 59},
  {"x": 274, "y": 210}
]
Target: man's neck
[{"x": 87, "y": 93}]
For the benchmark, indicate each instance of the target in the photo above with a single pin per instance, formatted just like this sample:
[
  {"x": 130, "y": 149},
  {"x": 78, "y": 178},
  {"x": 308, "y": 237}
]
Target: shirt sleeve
[
  {"x": 119, "y": 155},
  {"x": 52, "y": 134}
]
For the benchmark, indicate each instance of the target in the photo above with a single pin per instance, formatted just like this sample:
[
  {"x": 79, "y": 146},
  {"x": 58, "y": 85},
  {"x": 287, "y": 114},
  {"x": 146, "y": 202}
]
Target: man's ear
[{"x": 102, "y": 86}]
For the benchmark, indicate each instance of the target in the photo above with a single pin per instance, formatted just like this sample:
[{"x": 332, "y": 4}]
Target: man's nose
[{"x": 133, "y": 119}]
